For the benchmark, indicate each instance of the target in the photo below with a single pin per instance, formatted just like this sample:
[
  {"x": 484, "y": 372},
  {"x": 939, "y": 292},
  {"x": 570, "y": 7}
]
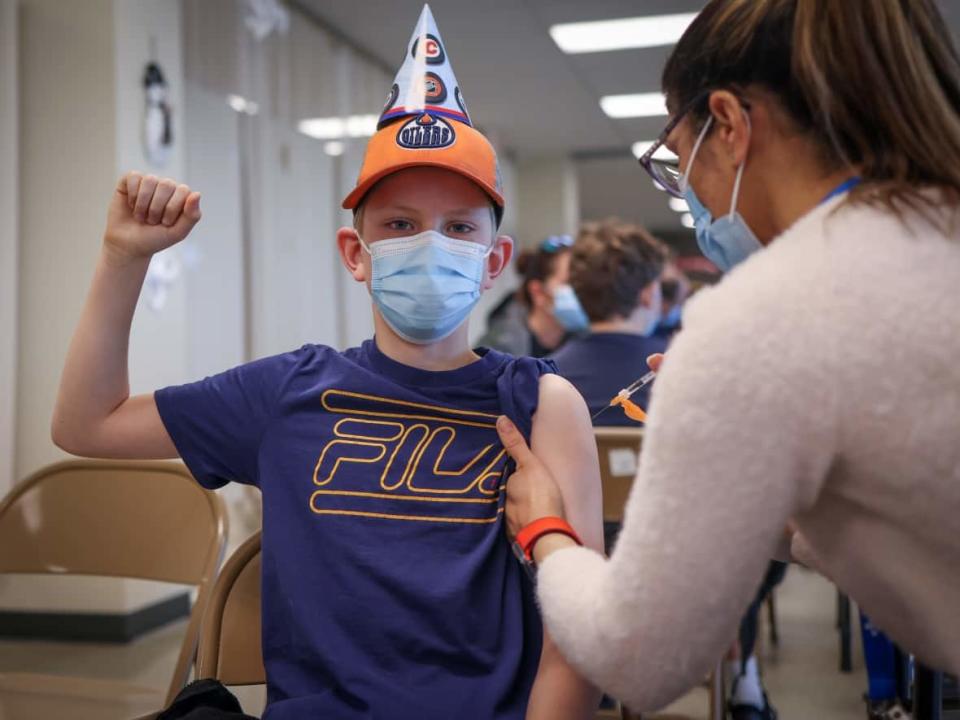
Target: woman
[
  {"x": 804, "y": 388},
  {"x": 538, "y": 318}
]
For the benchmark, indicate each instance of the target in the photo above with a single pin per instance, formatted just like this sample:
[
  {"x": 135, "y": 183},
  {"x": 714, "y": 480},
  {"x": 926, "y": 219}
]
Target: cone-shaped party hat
[
  {"x": 425, "y": 81},
  {"x": 425, "y": 122}
]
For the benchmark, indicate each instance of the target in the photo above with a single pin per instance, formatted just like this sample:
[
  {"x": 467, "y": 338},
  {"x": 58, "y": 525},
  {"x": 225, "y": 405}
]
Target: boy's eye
[
  {"x": 458, "y": 228},
  {"x": 400, "y": 225}
]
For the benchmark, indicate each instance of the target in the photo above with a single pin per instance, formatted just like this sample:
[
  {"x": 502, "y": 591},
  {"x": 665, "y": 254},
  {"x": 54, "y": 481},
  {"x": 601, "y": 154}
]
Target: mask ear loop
[
  {"x": 684, "y": 179},
  {"x": 736, "y": 183},
  {"x": 364, "y": 245}
]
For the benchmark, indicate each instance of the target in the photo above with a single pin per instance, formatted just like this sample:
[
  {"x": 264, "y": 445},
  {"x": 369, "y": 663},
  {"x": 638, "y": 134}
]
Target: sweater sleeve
[{"x": 740, "y": 436}]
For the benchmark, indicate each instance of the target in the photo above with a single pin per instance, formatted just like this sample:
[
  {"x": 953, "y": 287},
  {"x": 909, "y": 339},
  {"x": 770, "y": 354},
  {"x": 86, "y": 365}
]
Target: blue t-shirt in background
[
  {"x": 389, "y": 588},
  {"x": 599, "y": 365}
]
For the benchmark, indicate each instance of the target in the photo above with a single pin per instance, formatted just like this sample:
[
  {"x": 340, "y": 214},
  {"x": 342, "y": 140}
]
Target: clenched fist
[{"x": 149, "y": 214}]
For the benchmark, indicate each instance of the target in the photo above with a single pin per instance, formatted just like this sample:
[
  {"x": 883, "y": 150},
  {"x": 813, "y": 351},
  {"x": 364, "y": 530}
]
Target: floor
[{"x": 802, "y": 675}]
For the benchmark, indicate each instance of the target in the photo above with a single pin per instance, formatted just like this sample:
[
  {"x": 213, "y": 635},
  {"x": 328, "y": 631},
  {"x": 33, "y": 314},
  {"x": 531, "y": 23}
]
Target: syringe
[{"x": 623, "y": 398}]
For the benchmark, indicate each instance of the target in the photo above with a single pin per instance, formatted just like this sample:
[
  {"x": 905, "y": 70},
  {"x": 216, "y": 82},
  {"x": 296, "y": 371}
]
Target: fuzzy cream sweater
[{"x": 820, "y": 381}]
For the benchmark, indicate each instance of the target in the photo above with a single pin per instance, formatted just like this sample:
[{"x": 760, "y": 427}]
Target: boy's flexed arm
[
  {"x": 563, "y": 439},
  {"x": 94, "y": 414}
]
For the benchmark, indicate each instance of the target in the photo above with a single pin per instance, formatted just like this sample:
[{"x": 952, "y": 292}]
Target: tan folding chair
[
  {"x": 143, "y": 520},
  {"x": 230, "y": 649},
  {"x": 618, "y": 449}
]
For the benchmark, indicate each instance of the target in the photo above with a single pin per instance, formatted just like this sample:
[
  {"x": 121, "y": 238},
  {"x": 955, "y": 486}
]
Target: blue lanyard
[{"x": 843, "y": 187}]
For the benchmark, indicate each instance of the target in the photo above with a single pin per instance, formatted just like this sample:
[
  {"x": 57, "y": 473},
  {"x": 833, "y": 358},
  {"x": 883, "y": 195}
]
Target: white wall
[
  {"x": 548, "y": 198},
  {"x": 9, "y": 108},
  {"x": 67, "y": 150}
]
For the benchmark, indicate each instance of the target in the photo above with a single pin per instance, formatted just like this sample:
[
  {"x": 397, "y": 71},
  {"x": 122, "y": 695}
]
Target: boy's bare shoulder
[
  {"x": 561, "y": 410},
  {"x": 560, "y": 393}
]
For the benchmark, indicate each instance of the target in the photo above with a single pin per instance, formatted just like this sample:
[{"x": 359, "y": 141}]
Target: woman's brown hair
[{"x": 875, "y": 82}]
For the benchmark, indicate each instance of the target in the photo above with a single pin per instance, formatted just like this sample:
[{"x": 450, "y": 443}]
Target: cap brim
[{"x": 356, "y": 195}]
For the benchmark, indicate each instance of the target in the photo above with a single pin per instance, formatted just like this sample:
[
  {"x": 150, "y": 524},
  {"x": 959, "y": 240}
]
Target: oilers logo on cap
[
  {"x": 425, "y": 83},
  {"x": 426, "y": 132}
]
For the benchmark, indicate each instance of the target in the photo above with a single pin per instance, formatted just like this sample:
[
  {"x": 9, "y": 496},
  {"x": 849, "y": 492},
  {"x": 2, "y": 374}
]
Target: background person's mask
[{"x": 568, "y": 311}]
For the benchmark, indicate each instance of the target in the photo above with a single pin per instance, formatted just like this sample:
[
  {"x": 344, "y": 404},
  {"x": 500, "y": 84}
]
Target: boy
[{"x": 389, "y": 589}]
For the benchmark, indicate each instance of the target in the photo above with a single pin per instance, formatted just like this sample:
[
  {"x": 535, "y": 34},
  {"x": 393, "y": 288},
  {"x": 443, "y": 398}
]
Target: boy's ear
[
  {"x": 645, "y": 296},
  {"x": 498, "y": 259},
  {"x": 351, "y": 253}
]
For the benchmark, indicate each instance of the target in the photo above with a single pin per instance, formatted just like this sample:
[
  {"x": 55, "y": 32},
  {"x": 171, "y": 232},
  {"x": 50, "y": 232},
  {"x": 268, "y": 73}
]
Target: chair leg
[
  {"x": 901, "y": 662},
  {"x": 718, "y": 699},
  {"x": 772, "y": 618},
  {"x": 843, "y": 610},
  {"x": 928, "y": 694}
]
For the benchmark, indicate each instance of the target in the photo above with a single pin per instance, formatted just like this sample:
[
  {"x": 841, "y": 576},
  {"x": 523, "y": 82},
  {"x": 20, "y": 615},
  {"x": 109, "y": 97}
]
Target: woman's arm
[
  {"x": 94, "y": 413},
  {"x": 731, "y": 451},
  {"x": 563, "y": 440}
]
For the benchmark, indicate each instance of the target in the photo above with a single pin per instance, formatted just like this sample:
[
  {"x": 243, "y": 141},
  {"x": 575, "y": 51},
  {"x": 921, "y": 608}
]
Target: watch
[{"x": 528, "y": 536}]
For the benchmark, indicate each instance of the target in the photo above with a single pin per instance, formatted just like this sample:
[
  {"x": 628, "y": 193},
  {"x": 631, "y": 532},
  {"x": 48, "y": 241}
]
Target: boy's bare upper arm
[
  {"x": 563, "y": 440},
  {"x": 134, "y": 430}
]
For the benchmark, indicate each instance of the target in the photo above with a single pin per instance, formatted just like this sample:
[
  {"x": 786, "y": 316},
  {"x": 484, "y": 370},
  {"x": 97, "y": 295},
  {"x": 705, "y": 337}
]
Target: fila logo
[
  {"x": 426, "y": 132},
  {"x": 433, "y": 50}
]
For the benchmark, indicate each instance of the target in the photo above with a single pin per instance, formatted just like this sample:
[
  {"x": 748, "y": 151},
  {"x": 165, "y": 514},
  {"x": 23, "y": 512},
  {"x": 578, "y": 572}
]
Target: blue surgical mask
[
  {"x": 568, "y": 310},
  {"x": 727, "y": 240},
  {"x": 425, "y": 285},
  {"x": 653, "y": 312}
]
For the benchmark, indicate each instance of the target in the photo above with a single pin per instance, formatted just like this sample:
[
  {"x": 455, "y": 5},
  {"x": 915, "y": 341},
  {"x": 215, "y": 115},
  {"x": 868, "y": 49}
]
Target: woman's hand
[
  {"x": 655, "y": 361},
  {"x": 148, "y": 214},
  {"x": 532, "y": 492}
]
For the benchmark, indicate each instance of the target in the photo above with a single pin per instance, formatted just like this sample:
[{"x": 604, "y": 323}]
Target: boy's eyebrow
[
  {"x": 414, "y": 210},
  {"x": 402, "y": 208}
]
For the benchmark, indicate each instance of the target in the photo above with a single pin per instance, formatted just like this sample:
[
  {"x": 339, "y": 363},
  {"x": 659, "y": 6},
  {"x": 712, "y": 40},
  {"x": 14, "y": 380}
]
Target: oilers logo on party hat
[
  {"x": 425, "y": 123},
  {"x": 425, "y": 82}
]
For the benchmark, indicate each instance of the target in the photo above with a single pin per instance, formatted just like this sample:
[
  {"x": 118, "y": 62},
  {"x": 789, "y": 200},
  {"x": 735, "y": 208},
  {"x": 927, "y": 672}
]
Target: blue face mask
[
  {"x": 727, "y": 240},
  {"x": 568, "y": 310},
  {"x": 425, "y": 285}
]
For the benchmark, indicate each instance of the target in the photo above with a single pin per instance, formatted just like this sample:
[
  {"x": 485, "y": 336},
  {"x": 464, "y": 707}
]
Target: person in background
[
  {"x": 674, "y": 289},
  {"x": 879, "y": 656},
  {"x": 615, "y": 273},
  {"x": 543, "y": 312},
  {"x": 748, "y": 697}
]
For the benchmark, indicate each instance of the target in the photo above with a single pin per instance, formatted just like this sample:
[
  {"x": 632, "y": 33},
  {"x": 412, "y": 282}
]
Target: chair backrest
[
  {"x": 619, "y": 450},
  {"x": 134, "y": 519},
  {"x": 230, "y": 649}
]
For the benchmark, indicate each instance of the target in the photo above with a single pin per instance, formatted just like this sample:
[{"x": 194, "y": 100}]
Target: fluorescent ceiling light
[
  {"x": 637, "y": 105},
  {"x": 679, "y": 205},
  {"x": 242, "y": 105},
  {"x": 662, "y": 153},
  {"x": 620, "y": 34},
  {"x": 687, "y": 220},
  {"x": 337, "y": 128},
  {"x": 334, "y": 148}
]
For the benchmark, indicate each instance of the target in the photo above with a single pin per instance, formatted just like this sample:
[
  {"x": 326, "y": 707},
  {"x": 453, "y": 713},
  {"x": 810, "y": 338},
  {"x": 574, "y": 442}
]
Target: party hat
[
  {"x": 425, "y": 122},
  {"x": 425, "y": 81}
]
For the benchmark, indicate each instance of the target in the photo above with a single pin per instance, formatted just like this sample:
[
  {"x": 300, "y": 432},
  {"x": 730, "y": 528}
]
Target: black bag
[{"x": 205, "y": 699}]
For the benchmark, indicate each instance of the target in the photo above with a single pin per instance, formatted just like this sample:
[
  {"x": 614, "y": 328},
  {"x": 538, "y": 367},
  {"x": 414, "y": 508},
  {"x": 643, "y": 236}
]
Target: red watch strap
[{"x": 528, "y": 535}]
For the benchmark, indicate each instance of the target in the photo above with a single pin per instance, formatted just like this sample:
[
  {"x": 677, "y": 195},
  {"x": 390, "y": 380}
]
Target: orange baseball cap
[{"x": 425, "y": 123}]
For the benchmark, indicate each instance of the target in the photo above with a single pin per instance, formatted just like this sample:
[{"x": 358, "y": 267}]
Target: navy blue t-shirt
[
  {"x": 389, "y": 588},
  {"x": 600, "y": 365}
]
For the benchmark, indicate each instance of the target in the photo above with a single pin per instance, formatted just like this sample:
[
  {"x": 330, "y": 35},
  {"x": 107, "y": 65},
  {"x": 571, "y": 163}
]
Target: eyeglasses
[
  {"x": 666, "y": 172},
  {"x": 555, "y": 243}
]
